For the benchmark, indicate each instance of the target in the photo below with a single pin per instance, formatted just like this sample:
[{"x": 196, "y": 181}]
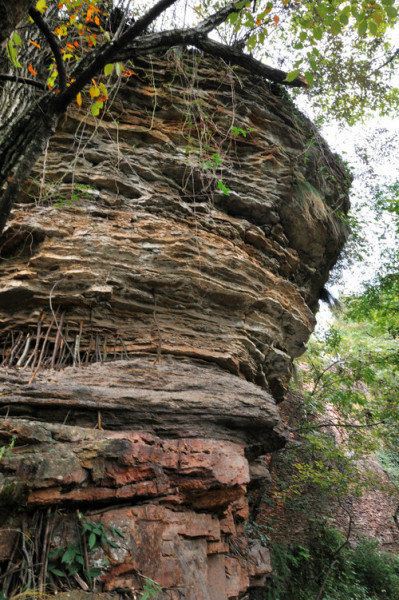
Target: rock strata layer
[{"x": 159, "y": 275}]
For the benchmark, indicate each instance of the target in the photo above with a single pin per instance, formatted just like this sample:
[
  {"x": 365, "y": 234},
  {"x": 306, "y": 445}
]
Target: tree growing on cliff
[{"x": 70, "y": 47}]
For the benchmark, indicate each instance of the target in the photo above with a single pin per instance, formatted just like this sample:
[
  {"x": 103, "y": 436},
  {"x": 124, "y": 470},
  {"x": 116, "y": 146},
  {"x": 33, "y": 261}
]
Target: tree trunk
[
  {"x": 149, "y": 319},
  {"x": 11, "y": 13}
]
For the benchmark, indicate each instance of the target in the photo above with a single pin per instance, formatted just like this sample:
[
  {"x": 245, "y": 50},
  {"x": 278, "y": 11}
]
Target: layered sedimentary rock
[{"x": 159, "y": 275}]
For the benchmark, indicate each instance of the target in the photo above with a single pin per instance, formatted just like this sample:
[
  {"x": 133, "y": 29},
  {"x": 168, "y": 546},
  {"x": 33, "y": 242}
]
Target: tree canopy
[{"x": 342, "y": 51}]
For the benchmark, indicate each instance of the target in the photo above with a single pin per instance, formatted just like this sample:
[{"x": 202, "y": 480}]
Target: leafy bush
[{"x": 359, "y": 573}]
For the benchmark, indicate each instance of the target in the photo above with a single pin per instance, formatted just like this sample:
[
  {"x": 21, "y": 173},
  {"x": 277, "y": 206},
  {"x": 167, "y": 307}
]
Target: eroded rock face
[{"x": 158, "y": 278}]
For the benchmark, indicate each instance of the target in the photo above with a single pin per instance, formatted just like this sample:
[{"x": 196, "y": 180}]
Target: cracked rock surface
[{"x": 158, "y": 276}]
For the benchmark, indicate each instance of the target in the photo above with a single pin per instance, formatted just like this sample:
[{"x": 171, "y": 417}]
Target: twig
[
  {"x": 76, "y": 350},
  {"x": 16, "y": 348},
  {"x": 393, "y": 57},
  {"x": 57, "y": 340},
  {"x": 24, "y": 354},
  {"x": 343, "y": 425},
  {"x": 52, "y": 42},
  {"x": 38, "y": 334},
  {"x": 39, "y": 362},
  {"x": 321, "y": 373}
]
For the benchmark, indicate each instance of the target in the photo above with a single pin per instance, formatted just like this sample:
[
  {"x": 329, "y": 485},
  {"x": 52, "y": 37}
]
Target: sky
[{"x": 372, "y": 151}]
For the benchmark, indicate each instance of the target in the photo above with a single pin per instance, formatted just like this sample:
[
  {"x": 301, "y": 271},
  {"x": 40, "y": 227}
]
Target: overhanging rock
[{"x": 159, "y": 275}]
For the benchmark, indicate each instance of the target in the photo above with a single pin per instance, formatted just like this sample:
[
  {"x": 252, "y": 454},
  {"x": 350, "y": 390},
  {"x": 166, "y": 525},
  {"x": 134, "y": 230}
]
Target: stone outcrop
[{"x": 159, "y": 275}]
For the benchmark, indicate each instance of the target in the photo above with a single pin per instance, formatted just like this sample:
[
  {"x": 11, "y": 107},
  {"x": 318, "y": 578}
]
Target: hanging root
[{"x": 58, "y": 344}]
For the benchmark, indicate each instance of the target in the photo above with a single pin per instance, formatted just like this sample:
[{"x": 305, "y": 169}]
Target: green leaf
[
  {"x": 69, "y": 555},
  {"x": 73, "y": 569},
  {"x": 16, "y": 38},
  {"x": 233, "y": 18},
  {"x": 391, "y": 11},
  {"x": 93, "y": 573},
  {"x": 223, "y": 187},
  {"x": 109, "y": 69},
  {"x": 12, "y": 49},
  {"x": 344, "y": 18},
  {"x": 292, "y": 75},
  {"x": 252, "y": 41},
  {"x": 322, "y": 9},
  {"x": 373, "y": 27},
  {"x": 336, "y": 27},
  {"x": 309, "y": 77},
  {"x": 92, "y": 540},
  {"x": 318, "y": 33},
  {"x": 117, "y": 532},
  {"x": 55, "y": 553},
  {"x": 96, "y": 108},
  {"x": 217, "y": 159},
  {"x": 55, "y": 571},
  {"x": 362, "y": 27}
]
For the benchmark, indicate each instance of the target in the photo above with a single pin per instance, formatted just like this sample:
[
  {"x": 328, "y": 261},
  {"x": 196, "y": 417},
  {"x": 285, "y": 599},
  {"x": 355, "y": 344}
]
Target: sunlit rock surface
[{"x": 158, "y": 276}]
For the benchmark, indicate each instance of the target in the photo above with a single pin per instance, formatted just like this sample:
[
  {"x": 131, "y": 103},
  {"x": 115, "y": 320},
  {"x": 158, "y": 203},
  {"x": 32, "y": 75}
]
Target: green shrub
[
  {"x": 359, "y": 573},
  {"x": 377, "y": 571}
]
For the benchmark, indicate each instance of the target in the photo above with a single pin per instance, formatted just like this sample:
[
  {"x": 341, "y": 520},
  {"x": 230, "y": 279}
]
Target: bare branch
[
  {"x": 322, "y": 373},
  {"x": 344, "y": 425},
  {"x": 236, "y": 57},
  {"x": 391, "y": 59},
  {"x": 24, "y": 80},
  {"x": 186, "y": 37},
  {"x": 52, "y": 42},
  {"x": 216, "y": 19}
]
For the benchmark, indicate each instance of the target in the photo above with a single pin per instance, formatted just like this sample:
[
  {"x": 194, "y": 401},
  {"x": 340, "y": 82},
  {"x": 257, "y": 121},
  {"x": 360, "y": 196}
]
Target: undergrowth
[{"x": 325, "y": 569}]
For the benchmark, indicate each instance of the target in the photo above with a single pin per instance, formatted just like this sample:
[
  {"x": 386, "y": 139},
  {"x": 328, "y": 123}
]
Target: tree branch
[
  {"x": 393, "y": 57},
  {"x": 52, "y": 42},
  {"x": 24, "y": 80},
  {"x": 187, "y": 37},
  {"x": 236, "y": 57},
  {"x": 216, "y": 19},
  {"x": 107, "y": 53},
  {"x": 197, "y": 36},
  {"x": 323, "y": 372},
  {"x": 343, "y": 425},
  {"x": 127, "y": 46}
]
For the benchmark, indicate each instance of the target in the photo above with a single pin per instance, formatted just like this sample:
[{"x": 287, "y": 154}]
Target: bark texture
[
  {"x": 11, "y": 13},
  {"x": 149, "y": 319}
]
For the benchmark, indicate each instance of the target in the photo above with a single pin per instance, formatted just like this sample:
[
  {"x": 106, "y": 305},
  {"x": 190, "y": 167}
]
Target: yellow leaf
[
  {"x": 41, "y": 6},
  {"x": 94, "y": 91},
  {"x": 79, "y": 99},
  {"x": 103, "y": 90}
]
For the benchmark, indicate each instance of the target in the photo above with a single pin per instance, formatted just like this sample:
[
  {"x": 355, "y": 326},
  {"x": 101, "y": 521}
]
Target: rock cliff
[{"x": 159, "y": 275}]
